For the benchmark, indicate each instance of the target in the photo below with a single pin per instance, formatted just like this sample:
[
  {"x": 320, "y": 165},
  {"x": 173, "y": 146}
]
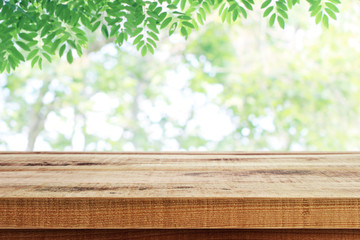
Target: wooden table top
[{"x": 180, "y": 190}]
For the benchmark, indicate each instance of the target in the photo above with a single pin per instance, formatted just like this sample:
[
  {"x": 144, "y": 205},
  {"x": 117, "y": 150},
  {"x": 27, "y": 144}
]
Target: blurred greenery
[{"x": 244, "y": 86}]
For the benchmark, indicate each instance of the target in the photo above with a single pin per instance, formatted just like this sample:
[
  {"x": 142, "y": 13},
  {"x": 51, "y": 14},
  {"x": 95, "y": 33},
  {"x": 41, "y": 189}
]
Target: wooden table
[{"x": 180, "y": 195}]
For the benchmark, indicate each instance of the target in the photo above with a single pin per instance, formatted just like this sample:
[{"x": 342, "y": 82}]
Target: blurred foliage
[{"x": 233, "y": 87}]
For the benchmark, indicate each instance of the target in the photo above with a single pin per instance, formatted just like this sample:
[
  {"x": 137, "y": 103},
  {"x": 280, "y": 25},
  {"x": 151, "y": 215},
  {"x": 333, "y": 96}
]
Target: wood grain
[
  {"x": 180, "y": 190},
  {"x": 181, "y": 234}
]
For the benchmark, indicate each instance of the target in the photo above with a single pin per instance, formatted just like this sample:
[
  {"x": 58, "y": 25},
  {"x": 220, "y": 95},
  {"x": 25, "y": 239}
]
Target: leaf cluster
[{"x": 38, "y": 30}]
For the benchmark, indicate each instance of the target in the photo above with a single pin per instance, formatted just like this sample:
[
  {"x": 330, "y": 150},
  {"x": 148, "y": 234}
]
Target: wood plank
[
  {"x": 180, "y": 190},
  {"x": 180, "y": 234}
]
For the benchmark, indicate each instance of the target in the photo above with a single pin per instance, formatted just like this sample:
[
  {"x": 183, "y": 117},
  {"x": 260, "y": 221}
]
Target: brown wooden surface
[
  {"x": 180, "y": 190},
  {"x": 181, "y": 234}
]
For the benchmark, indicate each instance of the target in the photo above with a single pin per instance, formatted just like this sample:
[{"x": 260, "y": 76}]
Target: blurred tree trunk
[{"x": 37, "y": 116}]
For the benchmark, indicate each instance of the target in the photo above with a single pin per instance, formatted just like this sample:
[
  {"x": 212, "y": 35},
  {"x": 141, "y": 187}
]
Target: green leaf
[
  {"x": 40, "y": 63},
  {"x": 223, "y": 15},
  {"x": 13, "y": 62},
  {"x": 318, "y": 18},
  {"x": 23, "y": 45},
  {"x": 199, "y": 18},
  {"x": 268, "y": 11},
  {"x": 332, "y": 7},
  {"x": 143, "y": 51},
  {"x": 153, "y": 35},
  {"x": 182, "y": 4},
  {"x": 247, "y": 4},
  {"x": 232, "y": 7},
  {"x": 137, "y": 39},
  {"x": 206, "y": 7},
  {"x": 45, "y": 30},
  {"x": 165, "y": 22},
  {"x": 105, "y": 31},
  {"x": 34, "y": 61},
  {"x": 195, "y": 25},
  {"x": 27, "y": 36},
  {"x": 152, "y": 26},
  {"x": 16, "y": 53},
  {"x": 265, "y": 4},
  {"x": 325, "y": 21},
  {"x": 69, "y": 56},
  {"x": 281, "y": 6},
  {"x": 140, "y": 44},
  {"x": 235, "y": 15},
  {"x": 330, "y": 13},
  {"x": 55, "y": 46},
  {"x": 282, "y": 13},
  {"x": 32, "y": 43},
  {"x": 136, "y": 32},
  {"x": 47, "y": 57},
  {"x": 188, "y": 24},
  {"x": 162, "y": 16},
  {"x": 79, "y": 50},
  {"x": 95, "y": 26},
  {"x": 150, "y": 48},
  {"x": 61, "y": 50},
  {"x": 243, "y": 12},
  {"x": 272, "y": 19},
  {"x": 183, "y": 31},
  {"x": 281, "y": 22},
  {"x": 32, "y": 54},
  {"x": 315, "y": 11},
  {"x": 290, "y": 3},
  {"x": 152, "y": 42},
  {"x": 171, "y": 6},
  {"x": 71, "y": 43},
  {"x": 203, "y": 13},
  {"x": 173, "y": 28},
  {"x": 152, "y": 6}
]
